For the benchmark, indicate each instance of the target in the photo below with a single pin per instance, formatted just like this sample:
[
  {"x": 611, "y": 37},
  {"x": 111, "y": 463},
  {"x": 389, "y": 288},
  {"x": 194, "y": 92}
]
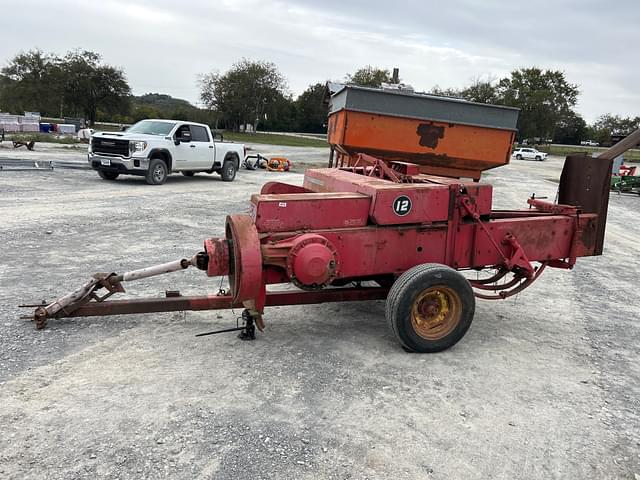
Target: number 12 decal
[{"x": 402, "y": 205}]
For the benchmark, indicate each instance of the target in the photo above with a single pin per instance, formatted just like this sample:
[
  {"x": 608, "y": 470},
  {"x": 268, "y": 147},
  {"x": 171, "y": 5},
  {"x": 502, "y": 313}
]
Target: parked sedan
[{"x": 531, "y": 153}]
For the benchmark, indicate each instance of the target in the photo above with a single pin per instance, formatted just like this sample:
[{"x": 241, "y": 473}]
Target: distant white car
[
  {"x": 531, "y": 153},
  {"x": 590, "y": 143}
]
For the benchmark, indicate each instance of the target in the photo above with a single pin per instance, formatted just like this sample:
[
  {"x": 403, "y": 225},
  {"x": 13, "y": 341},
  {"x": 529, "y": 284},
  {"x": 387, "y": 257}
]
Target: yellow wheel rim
[{"x": 436, "y": 312}]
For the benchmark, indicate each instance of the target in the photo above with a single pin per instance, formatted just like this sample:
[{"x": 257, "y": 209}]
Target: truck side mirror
[{"x": 184, "y": 136}]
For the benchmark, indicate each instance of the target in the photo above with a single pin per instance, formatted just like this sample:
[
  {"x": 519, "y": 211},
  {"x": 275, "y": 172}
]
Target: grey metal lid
[{"x": 424, "y": 107}]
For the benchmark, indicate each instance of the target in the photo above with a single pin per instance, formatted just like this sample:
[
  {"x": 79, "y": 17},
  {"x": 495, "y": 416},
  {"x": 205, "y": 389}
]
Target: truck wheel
[
  {"x": 538, "y": 158},
  {"x": 518, "y": 157},
  {"x": 108, "y": 175},
  {"x": 429, "y": 308},
  {"x": 188, "y": 174},
  {"x": 157, "y": 173},
  {"x": 228, "y": 171}
]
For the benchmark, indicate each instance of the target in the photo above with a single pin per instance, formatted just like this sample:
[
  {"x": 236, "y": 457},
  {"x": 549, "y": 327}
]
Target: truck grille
[{"x": 110, "y": 146}]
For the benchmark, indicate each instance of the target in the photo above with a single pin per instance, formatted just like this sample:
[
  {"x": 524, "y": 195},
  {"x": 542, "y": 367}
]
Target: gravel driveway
[{"x": 544, "y": 385}]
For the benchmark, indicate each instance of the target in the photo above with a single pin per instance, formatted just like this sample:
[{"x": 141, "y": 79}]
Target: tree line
[
  {"x": 76, "y": 84},
  {"x": 256, "y": 93},
  {"x": 546, "y": 101}
]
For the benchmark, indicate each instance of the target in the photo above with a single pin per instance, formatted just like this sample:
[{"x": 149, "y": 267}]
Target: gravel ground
[{"x": 545, "y": 385}]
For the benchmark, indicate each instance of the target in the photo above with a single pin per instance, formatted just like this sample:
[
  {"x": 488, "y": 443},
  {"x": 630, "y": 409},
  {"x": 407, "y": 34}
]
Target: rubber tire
[
  {"x": 518, "y": 157},
  {"x": 228, "y": 171},
  {"x": 401, "y": 298},
  {"x": 188, "y": 174},
  {"x": 155, "y": 162},
  {"x": 108, "y": 175},
  {"x": 538, "y": 158}
]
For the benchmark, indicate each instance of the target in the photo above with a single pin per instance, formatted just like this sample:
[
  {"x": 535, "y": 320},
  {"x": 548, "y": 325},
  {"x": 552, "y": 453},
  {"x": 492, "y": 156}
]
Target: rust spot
[{"x": 429, "y": 134}]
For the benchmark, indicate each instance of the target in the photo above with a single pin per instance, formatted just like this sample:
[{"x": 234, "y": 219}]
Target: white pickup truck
[{"x": 156, "y": 148}]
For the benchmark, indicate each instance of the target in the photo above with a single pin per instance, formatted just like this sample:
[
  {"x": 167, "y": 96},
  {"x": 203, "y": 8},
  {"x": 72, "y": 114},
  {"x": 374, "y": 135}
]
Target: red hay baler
[{"x": 378, "y": 228}]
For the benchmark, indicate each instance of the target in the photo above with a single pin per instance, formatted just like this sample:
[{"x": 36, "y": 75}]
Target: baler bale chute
[{"x": 378, "y": 224}]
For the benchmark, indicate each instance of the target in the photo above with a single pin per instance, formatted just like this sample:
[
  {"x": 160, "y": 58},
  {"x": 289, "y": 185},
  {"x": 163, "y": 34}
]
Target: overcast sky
[{"x": 163, "y": 45}]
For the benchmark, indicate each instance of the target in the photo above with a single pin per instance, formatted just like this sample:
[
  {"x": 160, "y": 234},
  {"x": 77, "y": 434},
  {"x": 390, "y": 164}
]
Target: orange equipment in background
[
  {"x": 442, "y": 135},
  {"x": 278, "y": 164}
]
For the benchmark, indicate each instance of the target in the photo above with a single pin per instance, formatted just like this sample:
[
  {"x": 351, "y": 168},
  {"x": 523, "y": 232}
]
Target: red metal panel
[
  {"x": 306, "y": 211},
  {"x": 481, "y": 196},
  {"x": 372, "y": 250},
  {"x": 429, "y": 201},
  {"x": 377, "y": 251},
  {"x": 542, "y": 239},
  {"x": 427, "y": 205},
  {"x": 279, "y": 187},
  {"x": 245, "y": 269}
]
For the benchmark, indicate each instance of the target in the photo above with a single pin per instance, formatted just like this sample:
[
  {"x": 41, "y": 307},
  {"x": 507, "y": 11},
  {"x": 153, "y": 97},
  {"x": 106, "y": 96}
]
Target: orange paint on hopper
[{"x": 377, "y": 122}]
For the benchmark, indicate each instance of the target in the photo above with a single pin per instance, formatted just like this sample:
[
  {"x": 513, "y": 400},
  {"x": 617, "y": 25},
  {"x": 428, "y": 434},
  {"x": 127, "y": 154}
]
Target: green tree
[
  {"x": 608, "y": 124},
  {"x": 544, "y": 98},
  {"x": 571, "y": 130},
  {"x": 369, "y": 76},
  {"x": 247, "y": 94},
  {"x": 282, "y": 115},
  {"x": 481, "y": 91},
  {"x": 89, "y": 85},
  {"x": 31, "y": 81},
  {"x": 77, "y": 84},
  {"x": 311, "y": 110},
  {"x": 446, "y": 92}
]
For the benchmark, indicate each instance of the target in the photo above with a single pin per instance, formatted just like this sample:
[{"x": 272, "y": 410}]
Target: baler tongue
[{"x": 111, "y": 282}]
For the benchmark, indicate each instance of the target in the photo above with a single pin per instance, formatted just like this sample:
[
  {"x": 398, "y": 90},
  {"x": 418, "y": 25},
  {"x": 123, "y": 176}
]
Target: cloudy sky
[{"x": 163, "y": 45}]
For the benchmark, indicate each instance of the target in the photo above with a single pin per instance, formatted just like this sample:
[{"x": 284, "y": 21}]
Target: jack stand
[{"x": 249, "y": 330}]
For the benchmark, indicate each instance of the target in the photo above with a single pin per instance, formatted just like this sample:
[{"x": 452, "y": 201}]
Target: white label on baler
[{"x": 282, "y": 204}]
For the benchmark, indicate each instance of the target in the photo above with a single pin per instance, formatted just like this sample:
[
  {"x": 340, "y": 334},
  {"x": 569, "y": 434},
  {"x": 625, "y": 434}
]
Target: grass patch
[
  {"x": 562, "y": 150},
  {"x": 43, "y": 138},
  {"x": 269, "y": 139}
]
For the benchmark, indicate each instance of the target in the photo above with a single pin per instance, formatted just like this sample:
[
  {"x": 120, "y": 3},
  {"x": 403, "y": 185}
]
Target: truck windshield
[{"x": 150, "y": 127}]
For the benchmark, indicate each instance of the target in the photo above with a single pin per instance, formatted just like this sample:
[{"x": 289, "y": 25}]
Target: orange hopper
[{"x": 444, "y": 136}]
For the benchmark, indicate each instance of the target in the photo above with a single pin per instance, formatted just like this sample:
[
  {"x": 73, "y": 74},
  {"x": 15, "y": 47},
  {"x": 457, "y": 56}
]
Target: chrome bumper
[{"x": 116, "y": 163}]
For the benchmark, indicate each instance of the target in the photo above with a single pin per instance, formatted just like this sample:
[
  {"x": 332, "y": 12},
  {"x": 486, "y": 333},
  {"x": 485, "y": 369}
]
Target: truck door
[
  {"x": 184, "y": 154},
  {"x": 204, "y": 151}
]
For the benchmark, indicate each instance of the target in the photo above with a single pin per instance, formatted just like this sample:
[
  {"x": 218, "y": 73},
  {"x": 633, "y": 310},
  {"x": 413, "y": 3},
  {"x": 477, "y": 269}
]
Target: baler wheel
[{"x": 430, "y": 308}]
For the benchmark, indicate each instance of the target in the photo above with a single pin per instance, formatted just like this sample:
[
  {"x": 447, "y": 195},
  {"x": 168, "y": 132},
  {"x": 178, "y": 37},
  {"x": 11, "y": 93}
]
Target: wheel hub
[
  {"x": 435, "y": 312},
  {"x": 158, "y": 173}
]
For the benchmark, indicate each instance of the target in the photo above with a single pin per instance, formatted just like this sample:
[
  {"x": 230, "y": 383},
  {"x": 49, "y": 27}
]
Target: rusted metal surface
[
  {"x": 217, "y": 250},
  {"x": 585, "y": 183},
  {"x": 245, "y": 266},
  {"x": 308, "y": 211},
  {"x": 313, "y": 262},
  {"x": 215, "y": 302},
  {"x": 456, "y": 151},
  {"x": 279, "y": 187},
  {"x": 508, "y": 289},
  {"x": 436, "y": 312}
]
